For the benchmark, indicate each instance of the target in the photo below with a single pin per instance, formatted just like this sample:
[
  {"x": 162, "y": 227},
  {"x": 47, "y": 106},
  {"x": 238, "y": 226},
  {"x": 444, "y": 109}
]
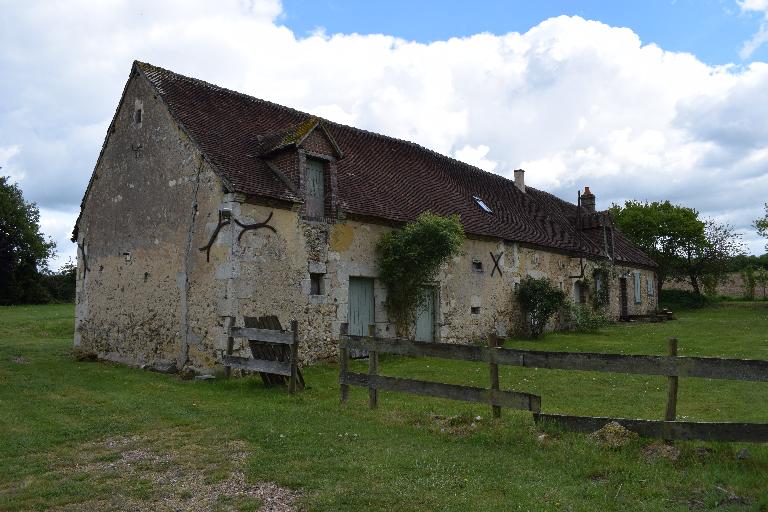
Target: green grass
[{"x": 69, "y": 430}]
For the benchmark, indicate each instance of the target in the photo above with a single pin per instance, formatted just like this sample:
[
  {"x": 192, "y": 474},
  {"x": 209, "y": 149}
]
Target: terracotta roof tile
[{"x": 379, "y": 176}]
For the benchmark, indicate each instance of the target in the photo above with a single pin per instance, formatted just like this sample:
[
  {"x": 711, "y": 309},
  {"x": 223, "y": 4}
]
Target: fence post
[
  {"x": 493, "y": 342},
  {"x": 294, "y": 357},
  {"x": 373, "y": 371},
  {"x": 671, "y": 413},
  {"x": 228, "y": 324},
  {"x": 343, "y": 364}
]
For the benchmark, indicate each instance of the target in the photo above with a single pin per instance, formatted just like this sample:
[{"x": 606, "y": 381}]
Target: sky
[{"x": 646, "y": 100}]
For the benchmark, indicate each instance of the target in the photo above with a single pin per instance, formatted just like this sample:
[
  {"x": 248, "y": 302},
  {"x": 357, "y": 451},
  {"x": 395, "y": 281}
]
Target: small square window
[
  {"x": 477, "y": 266},
  {"x": 316, "y": 284},
  {"x": 475, "y": 310}
]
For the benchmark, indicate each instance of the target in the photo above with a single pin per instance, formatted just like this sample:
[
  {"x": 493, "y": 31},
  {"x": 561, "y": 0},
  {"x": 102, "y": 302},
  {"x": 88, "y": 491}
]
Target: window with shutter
[
  {"x": 649, "y": 283},
  {"x": 315, "y": 189},
  {"x": 638, "y": 296}
]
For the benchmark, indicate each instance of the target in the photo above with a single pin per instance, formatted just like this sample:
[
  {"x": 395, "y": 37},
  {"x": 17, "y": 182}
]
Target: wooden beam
[
  {"x": 672, "y": 430},
  {"x": 265, "y": 335},
  {"x": 343, "y": 365},
  {"x": 294, "y": 364},
  {"x": 494, "y": 373},
  {"x": 258, "y": 365},
  {"x": 704, "y": 367},
  {"x": 671, "y": 412},
  {"x": 511, "y": 399},
  {"x": 373, "y": 371},
  {"x": 711, "y": 368},
  {"x": 409, "y": 348}
]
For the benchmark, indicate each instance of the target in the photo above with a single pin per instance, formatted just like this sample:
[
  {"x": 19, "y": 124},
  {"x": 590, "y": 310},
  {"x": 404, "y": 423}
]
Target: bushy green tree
[
  {"x": 662, "y": 230},
  {"x": 540, "y": 300},
  {"x": 62, "y": 283},
  {"x": 24, "y": 252},
  {"x": 721, "y": 243},
  {"x": 684, "y": 246},
  {"x": 411, "y": 257}
]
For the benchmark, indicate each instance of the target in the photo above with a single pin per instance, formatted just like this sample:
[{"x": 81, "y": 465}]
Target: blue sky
[
  {"x": 648, "y": 100},
  {"x": 713, "y": 30}
]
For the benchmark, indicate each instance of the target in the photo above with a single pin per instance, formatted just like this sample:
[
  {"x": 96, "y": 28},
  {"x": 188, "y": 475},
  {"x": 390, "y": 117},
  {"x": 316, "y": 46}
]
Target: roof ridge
[{"x": 412, "y": 144}]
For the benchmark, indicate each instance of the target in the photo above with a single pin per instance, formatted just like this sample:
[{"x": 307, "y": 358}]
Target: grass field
[{"x": 98, "y": 436}]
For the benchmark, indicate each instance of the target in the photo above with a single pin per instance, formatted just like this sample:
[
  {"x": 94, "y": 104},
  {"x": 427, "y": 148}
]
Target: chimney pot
[{"x": 520, "y": 179}]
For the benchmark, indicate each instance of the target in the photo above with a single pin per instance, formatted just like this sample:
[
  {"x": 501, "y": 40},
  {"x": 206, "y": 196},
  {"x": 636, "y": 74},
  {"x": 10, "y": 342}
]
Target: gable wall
[
  {"x": 135, "y": 308},
  {"x": 317, "y": 142}
]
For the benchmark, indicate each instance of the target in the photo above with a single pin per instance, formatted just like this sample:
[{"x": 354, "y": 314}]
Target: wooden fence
[
  {"x": 670, "y": 365},
  {"x": 269, "y": 362},
  {"x": 373, "y": 381}
]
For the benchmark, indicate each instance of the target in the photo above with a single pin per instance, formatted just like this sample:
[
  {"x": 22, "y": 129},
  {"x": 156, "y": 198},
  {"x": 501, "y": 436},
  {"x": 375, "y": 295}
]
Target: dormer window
[{"x": 482, "y": 204}]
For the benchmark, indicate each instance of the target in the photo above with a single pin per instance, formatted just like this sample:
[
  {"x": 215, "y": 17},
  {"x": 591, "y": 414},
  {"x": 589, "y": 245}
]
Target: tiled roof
[{"x": 378, "y": 177}]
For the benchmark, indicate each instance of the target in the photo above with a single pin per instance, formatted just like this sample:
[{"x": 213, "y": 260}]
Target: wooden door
[
  {"x": 425, "y": 316},
  {"x": 623, "y": 298},
  {"x": 360, "y": 305},
  {"x": 315, "y": 189}
]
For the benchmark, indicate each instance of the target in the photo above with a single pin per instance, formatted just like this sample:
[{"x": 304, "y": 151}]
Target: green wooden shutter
[{"x": 315, "y": 189}]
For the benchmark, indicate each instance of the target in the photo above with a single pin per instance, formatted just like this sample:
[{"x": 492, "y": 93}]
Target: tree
[
  {"x": 24, "y": 252},
  {"x": 662, "y": 230},
  {"x": 709, "y": 259},
  {"x": 761, "y": 225}
]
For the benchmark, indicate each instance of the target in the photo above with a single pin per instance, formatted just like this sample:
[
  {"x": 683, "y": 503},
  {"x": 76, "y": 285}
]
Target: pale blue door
[
  {"x": 360, "y": 305},
  {"x": 425, "y": 316}
]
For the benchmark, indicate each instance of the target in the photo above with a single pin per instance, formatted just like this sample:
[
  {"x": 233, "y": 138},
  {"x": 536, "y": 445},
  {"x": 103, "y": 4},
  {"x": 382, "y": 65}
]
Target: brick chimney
[
  {"x": 588, "y": 200},
  {"x": 520, "y": 179}
]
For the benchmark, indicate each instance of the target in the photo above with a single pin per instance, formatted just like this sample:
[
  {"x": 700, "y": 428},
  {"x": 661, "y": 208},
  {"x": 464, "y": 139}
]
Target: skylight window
[{"x": 482, "y": 204}]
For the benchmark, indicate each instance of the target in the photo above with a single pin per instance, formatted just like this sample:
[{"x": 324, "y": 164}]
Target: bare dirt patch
[
  {"x": 656, "y": 451},
  {"x": 171, "y": 472}
]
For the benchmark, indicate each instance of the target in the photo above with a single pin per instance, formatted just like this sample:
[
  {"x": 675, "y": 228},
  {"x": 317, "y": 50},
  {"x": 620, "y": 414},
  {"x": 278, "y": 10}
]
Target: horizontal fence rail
[
  {"x": 672, "y": 366},
  {"x": 263, "y": 335},
  {"x": 704, "y": 367},
  {"x": 671, "y": 430},
  {"x": 510, "y": 399}
]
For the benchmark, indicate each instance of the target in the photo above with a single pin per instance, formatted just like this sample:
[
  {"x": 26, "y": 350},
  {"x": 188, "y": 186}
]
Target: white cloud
[
  {"x": 761, "y": 36},
  {"x": 6, "y": 166},
  {"x": 57, "y": 225},
  {"x": 476, "y": 156},
  {"x": 574, "y": 102}
]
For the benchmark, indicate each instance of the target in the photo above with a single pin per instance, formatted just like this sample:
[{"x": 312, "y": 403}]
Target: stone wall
[
  {"x": 274, "y": 269},
  {"x": 139, "y": 232},
  {"x": 732, "y": 285}
]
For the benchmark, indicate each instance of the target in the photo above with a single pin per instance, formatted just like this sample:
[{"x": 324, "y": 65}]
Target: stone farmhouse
[{"x": 208, "y": 208}]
